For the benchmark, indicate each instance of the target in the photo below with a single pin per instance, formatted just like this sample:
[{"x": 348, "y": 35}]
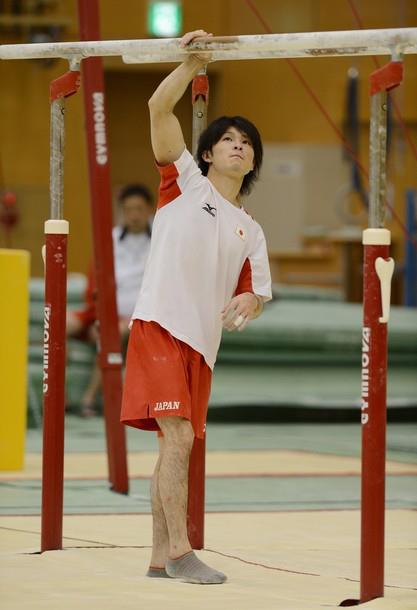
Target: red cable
[
  {"x": 316, "y": 100},
  {"x": 357, "y": 16},
  {"x": 328, "y": 118},
  {"x": 404, "y": 128},
  {"x": 261, "y": 565}
]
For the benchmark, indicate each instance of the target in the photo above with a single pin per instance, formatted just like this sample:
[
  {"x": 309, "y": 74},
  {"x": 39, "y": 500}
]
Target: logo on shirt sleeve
[
  {"x": 241, "y": 233},
  {"x": 210, "y": 209}
]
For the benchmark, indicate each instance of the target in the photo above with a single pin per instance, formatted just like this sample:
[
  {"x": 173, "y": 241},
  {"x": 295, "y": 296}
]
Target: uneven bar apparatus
[
  {"x": 265, "y": 46},
  {"x": 378, "y": 266}
]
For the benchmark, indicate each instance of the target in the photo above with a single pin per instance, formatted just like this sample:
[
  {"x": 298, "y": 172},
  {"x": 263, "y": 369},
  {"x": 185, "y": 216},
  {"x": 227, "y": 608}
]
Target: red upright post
[
  {"x": 55, "y": 257},
  {"x": 110, "y": 358},
  {"x": 54, "y": 389},
  {"x": 197, "y": 469},
  {"x": 374, "y": 387},
  {"x": 377, "y": 273},
  {"x": 196, "y": 494}
]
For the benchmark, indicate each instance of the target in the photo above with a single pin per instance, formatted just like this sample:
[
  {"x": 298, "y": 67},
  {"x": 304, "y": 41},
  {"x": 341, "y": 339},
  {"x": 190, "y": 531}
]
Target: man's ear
[{"x": 206, "y": 156}]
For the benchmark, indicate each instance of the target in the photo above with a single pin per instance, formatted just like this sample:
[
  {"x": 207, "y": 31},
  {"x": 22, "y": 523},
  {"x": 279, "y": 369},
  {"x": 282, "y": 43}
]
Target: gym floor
[{"x": 282, "y": 522}]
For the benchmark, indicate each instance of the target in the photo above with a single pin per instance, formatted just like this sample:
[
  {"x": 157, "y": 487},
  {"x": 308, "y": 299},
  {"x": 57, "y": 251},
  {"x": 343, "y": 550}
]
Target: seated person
[{"x": 131, "y": 244}]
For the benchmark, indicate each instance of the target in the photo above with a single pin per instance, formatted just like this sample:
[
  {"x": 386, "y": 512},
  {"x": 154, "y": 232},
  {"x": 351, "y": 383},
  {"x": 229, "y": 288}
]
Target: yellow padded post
[{"x": 14, "y": 324}]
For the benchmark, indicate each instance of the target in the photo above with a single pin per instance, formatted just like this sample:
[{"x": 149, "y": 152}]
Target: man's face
[
  {"x": 136, "y": 213},
  {"x": 233, "y": 154}
]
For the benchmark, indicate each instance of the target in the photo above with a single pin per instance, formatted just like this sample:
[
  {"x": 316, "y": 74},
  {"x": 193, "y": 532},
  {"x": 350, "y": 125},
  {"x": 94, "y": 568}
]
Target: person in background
[{"x": 131, "y": 244}]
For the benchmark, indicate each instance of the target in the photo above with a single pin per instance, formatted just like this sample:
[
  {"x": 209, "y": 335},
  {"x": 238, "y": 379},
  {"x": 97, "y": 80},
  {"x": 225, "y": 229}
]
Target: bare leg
[
  {"x": 173, "y": 487},
  {"x": 173, "y": 480},
  {"x": 160, "y": 538}
]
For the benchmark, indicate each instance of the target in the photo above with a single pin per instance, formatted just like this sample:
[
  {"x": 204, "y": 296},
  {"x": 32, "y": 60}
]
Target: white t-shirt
[
  {"x": 204, "y": 250},
  {"x": 130, "y": 255}
]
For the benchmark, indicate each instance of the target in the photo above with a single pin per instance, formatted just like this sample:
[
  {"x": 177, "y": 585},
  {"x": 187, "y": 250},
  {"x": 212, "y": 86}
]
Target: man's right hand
[{"x": 203, "y": 57}]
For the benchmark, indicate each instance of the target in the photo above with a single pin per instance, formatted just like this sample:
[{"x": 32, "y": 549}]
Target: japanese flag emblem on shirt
[{"x": 241, "y": 233}]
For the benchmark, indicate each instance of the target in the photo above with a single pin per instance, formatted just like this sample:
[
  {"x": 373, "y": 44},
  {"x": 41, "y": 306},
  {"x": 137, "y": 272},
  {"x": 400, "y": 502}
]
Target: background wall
[{"x": 265, "y": 91}]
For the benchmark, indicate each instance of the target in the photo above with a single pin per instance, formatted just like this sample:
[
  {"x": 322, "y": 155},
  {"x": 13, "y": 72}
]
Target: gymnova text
[
  {"x": 366, "y": 339},
  {"x": 46, "y": 323},
  {"x": 100, "y": 127}
]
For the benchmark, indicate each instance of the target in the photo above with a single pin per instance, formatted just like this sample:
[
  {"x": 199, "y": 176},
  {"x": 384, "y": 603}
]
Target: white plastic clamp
[
  {"x": 384, "y": 270},
  {"x": 59, "y": 227}
]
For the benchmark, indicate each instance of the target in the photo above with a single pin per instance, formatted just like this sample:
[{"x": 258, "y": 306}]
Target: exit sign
[{"x": 165, "y": 19}]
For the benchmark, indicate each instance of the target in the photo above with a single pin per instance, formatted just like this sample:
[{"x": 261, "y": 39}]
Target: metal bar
[
  {"x": 377, "y": 274},
  {"x": 57, "y": 144},
  {"x": 197, "y": 468},
  {"x": 292, "y": 45},
  {"x": 53, "y": 391},
  {"x": 199, "y": 121},
  {"x": 196, "y": 493},
  {"x": 110, "y": 358},
  {"x": 54, "y": 345},
  {"x": 377, "y": 155},
  {"x": 200, "y": 89},
  {"x": 56, "y": 231},
  {"x": 374, "y": 390}
]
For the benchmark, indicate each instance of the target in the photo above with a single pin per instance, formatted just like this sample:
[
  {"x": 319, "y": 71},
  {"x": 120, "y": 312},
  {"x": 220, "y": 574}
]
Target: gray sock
[
  {"x": 157, "y": 573},
  {"x": 190, "y": 569}
]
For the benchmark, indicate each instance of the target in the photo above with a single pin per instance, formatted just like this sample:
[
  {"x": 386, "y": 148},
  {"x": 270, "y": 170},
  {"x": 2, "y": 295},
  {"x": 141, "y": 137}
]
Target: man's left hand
[{"x": 239, "y": 311}]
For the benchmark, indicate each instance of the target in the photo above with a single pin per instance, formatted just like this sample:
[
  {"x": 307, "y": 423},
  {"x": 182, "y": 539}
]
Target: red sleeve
[
  {"x": 168, "y": 188},
  {"x": 244, "y": 283}
]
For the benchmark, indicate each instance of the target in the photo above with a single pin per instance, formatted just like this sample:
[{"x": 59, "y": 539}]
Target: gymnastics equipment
[
  {"x": 378, "y": 267},
  {"x": 394, "y": 41},
  {"x": 197, "y": 467},
  {"x": 109, "y": 350},
  {"x": 55, "y": 258}
]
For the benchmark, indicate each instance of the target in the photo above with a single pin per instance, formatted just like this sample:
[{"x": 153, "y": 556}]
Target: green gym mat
[
  {"x": 299, "y": 354},
  {"x": 325, "y": 332},
  {"x": 312, "y": 387}
]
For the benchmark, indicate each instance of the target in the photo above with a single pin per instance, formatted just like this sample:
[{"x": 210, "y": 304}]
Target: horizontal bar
[{"x": 306, "y": 44}]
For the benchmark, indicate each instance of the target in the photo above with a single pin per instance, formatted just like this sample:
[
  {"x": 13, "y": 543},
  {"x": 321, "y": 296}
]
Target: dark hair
[
  {"x": 135, "y": 190},
  {"x": 213, "y": 133}
]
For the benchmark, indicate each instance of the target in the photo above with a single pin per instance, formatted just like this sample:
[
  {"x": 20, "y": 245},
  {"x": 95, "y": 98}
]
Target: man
[
  {"x": 208, "y": 266},
  {"x": 131, "y": 245}
]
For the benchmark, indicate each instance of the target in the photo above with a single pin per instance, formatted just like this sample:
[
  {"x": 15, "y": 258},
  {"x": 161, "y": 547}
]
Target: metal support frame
[
  {"x": 55, "y": 257},
  {"x": 377, "y": 273},
  {"x": 110, "y": 358},
  {"x": 197, "y": 468}
]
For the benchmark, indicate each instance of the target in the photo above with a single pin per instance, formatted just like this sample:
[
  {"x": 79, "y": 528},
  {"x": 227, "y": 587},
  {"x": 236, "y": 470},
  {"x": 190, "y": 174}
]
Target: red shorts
[{"x": 164, "y": 377}]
